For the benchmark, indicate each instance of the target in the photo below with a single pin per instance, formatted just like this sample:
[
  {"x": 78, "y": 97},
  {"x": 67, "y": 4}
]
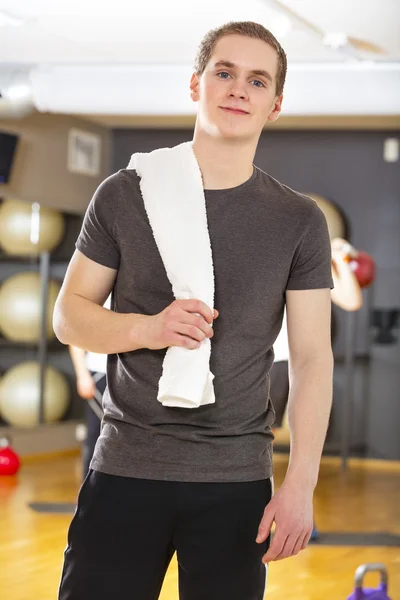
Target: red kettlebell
[{"x": 9, "y": 460}]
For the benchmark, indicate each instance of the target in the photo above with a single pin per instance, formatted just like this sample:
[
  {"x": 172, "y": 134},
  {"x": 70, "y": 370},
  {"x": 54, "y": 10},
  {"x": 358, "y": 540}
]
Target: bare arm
[
  {"x": 79, "y": 318},
  {"x": 310, "y": 400},
  {"x": 311, "y": 379},
  {"x": 347, "y": 293},
  {"x": 78, "y": 360},
  {"x": 84, "y": 381}
]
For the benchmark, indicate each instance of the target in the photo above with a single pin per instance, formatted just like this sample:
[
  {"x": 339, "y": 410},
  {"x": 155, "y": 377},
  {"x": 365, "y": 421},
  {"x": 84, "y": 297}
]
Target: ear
[
  {"x": 277, "y": 107},
  {"x": 194, "y": 87}
]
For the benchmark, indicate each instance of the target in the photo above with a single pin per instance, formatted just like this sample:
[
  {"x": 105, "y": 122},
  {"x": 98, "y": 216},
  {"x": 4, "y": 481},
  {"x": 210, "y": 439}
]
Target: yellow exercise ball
[
  {"x": 20, "y": 307},
  {"x": 19, "y": 395},
  {"x": 27, "y": 229},
  {"x": 334, "y": 218}
]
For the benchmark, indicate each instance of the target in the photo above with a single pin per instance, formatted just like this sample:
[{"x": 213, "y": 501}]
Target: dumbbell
[{"x": 361, "y": 263}]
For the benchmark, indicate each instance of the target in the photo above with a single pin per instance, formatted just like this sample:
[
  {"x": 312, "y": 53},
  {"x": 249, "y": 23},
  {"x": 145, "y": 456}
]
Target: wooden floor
[{"x": 366, "y": 498}]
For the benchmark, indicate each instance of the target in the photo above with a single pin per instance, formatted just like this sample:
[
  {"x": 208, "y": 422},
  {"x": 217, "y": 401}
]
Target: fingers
[
  {"x": 198, "y": 332},
  {"x": 284, "y": 546},
  {"x": 187, "y": 329},
  {"x": 197, "y": 306},
  {"x": 197, "y": 323},
  {"x": 185, "y": 342},
  {"x": 276, "y": 547},
  {"x": 306, "y": 539},
  {"x": 297, "y": 546},
  {"x": 265, "y": 524}
]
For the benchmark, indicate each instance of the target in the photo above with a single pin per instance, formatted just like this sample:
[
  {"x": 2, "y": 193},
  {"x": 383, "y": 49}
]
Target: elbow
[
  {"x": 323, "y": 361},
  {"x": 59, "y": 323}
]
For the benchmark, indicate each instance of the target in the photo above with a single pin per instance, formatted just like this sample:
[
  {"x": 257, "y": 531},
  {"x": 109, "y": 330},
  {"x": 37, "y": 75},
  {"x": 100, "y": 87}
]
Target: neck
[{"x": 224, "y": 163}]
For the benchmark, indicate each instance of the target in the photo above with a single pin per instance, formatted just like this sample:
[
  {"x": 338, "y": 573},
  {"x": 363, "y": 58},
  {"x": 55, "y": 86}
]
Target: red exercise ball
[
  {"x": 9, "y": 460},
  {"x": 363, "y": 268}
]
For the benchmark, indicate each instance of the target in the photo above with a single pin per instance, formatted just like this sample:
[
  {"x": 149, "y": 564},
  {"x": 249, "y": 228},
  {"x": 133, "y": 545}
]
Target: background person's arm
[
  {"x": 84, "y": 381},
  {"x": 347, "y": 292}
]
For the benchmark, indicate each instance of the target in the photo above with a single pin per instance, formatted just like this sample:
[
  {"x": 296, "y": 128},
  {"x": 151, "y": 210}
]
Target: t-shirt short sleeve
[
  {"x": 311, "y": 266},
  {"x": 97, "y": 238}
]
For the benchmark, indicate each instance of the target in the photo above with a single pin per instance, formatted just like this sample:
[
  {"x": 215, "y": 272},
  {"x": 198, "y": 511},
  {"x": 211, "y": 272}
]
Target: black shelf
[
  {"x": 54, "y": 344},
  {"x": 24, "y": 259},
  {"x": 32, "y": 260}
]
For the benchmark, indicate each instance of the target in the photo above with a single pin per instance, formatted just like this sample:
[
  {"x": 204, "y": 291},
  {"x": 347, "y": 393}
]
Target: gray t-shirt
[{"x": 265, "y": 239}]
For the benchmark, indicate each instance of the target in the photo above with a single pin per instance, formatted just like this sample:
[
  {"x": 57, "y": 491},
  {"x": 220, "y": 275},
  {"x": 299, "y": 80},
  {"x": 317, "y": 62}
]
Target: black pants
[
  {"x": 125, "y": 532},
  {"x": 92, "y": 426}
]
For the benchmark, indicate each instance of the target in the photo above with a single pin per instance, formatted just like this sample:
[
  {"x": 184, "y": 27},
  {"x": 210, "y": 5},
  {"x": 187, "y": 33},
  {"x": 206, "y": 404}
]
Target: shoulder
[
  {"x": 289, "y": 202},
  {"x": 119, "y": 180},
  {"x": 117, "y": 190},
  {"x": 283, "y": 192}
]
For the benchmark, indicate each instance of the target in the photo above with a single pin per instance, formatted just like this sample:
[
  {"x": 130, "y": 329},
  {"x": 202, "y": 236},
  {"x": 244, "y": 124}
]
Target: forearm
[
  {"x": 347, "y": 293},
  {"x": 310, "y": 402},
  {"x": 82, "y": 323},
  {"x": 78, "y": 360}
]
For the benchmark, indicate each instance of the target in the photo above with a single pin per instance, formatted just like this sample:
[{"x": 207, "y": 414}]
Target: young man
[{"x": 198, "y": 481}]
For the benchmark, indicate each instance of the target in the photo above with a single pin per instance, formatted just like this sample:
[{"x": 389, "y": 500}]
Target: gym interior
[{"x": 85, "y": 85}]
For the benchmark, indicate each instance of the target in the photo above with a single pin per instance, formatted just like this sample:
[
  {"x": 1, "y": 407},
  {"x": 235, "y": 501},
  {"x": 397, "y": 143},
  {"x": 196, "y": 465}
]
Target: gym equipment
[
  {"x": 27, "y": 229},
  {"x": 21, "y": 310},
  {"x": 334, "y": 217},
  {"x": 20, "y": 395},
  {"x": 361, "y": 263},
  {"x": 9, "y": 459},
  {"x": 379, "y": 593},
  {"x": 363, "y": 268},
  {"x": 384, "y": 320}
]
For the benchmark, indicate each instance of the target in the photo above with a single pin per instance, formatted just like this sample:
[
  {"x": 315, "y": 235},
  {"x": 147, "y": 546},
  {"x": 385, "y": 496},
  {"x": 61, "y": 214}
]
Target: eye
[
  {"x": 223, "y": 73},
  {"x": 258, "y": 81}
]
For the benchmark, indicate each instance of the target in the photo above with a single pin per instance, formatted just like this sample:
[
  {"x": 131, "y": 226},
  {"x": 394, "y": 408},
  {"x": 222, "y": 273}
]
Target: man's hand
[
  {"x": 292, "y": 510},
  {"x": 185, "y": 323}
]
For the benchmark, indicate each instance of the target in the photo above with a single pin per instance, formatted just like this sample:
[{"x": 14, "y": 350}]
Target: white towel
[{"x": 172, "y": 188}]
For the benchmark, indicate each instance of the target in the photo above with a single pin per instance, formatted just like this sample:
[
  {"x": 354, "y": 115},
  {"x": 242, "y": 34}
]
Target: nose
[{"x": 238, "y": 90}]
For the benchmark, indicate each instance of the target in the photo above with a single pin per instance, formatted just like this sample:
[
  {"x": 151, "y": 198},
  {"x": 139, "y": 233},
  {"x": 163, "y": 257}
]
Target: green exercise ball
[
  {"x": 19, "y": 395},
  {"x": 20, "y": 307},
  {"x": 27, "y": 229}
]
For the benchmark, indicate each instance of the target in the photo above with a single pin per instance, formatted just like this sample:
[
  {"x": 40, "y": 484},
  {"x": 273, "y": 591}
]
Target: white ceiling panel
[
  {"x": 169, "y": 31},
  {"x": 158, "y": 34}
]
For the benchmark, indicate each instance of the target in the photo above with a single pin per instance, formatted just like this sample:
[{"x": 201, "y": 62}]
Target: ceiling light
[{"x": 18, "y": 91}]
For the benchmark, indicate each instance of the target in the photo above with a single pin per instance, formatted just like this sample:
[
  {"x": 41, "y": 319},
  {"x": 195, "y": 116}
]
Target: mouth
[{"x": 235, "y": 111}]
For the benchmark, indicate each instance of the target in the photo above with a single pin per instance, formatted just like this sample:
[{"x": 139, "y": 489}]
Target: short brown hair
[{"x": 245, "y": 28}]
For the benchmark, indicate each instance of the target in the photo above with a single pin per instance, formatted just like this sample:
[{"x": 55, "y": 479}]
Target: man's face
[{"x": 236, "y": 85}]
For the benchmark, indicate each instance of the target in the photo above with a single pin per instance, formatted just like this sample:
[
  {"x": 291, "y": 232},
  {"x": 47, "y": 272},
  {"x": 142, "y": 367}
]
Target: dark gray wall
[{"x": 346, "y": 167}]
